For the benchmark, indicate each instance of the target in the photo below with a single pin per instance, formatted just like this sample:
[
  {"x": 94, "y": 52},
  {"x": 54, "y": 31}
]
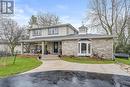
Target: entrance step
[{"x": 50, "y": 57}]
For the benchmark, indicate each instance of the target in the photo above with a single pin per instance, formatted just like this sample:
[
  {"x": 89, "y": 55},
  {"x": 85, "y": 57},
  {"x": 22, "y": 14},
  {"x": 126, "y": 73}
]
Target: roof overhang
[
  {"x": 69, "y": 37},
  {"x": 56, "y": 26}
]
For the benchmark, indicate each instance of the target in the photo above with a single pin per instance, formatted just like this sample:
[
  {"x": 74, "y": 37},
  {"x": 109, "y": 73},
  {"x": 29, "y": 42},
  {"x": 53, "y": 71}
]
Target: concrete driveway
[{"x": 54, "y": 63}]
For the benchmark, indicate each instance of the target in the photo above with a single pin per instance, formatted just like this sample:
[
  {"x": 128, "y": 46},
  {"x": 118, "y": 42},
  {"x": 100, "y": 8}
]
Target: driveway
[{"x": 55, "y": 63}]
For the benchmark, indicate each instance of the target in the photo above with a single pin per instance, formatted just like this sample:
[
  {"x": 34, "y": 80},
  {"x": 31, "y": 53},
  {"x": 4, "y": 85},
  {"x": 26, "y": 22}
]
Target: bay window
[{"x": 84, "y": 48}]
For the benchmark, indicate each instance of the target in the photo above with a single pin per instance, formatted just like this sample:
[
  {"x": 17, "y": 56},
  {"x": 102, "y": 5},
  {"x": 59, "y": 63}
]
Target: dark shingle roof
[
  {"x": 54, "y": 26},
  {"x": 69, "y": 37}
]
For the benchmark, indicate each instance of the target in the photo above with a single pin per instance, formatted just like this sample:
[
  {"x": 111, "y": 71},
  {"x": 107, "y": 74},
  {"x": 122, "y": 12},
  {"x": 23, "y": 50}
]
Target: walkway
[{"x": 55, "y": 63}]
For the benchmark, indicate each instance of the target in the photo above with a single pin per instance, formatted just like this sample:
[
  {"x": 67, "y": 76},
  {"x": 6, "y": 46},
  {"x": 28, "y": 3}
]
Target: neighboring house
[
  {"x": 5, "y": 48},
  {"x": 66, "y": 40}
]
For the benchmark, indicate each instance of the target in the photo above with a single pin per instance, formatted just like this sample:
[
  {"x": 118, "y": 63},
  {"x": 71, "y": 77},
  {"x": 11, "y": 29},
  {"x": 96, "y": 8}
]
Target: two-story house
[{"x": 66, "y": 40}]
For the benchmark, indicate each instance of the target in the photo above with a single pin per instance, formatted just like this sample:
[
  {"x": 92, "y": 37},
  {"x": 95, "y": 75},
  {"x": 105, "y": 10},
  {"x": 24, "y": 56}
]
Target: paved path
[{"x": 54, "y": 63}]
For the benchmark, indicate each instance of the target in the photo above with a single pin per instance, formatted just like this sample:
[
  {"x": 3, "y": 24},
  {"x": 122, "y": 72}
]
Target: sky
[{"x": 69, "y": 11}]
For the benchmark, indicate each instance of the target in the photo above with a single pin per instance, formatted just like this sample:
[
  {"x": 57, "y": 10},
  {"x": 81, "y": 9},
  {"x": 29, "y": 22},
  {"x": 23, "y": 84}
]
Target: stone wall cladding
[
  {"x": 100, "y": 46},
  {"x": 70, "y": 47},
  {"x": 103, "y": 46}
]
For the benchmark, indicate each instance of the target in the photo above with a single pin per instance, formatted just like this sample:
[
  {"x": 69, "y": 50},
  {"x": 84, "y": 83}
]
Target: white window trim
[
  {"x": 79, "y": 48},
  {"x": 53, "y": 31},
  {"x": 36, "y": 33}
]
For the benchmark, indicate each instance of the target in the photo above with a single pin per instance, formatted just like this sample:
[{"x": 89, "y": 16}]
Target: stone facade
[
  {"x": 101, "y": 46},
  {"x": 70, "y": 47}
]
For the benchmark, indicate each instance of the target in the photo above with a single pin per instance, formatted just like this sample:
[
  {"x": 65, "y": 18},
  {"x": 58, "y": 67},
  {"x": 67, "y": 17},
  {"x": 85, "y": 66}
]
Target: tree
[
  {"x": 11, "y": 32},
  {"x": 47, "y": 19},
  {"x": 129, "y": 30},
  {"x": 43, "y": 19},
  {"x": 112, "y": 16}
]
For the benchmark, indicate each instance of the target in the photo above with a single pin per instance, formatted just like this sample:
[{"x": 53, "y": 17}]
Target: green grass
[
  {"x": 22, "y": 64},
  {"x": 87, "y": 60},
  {"x": 124, "y": 61}
]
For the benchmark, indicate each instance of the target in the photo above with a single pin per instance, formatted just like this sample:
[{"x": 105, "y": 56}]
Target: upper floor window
[
  {"x": 53, "y": 31},
  {"x": 37, "y": 33}
]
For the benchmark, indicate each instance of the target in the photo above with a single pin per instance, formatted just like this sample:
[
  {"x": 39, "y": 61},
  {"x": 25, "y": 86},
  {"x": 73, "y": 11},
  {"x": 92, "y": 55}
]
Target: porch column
[
  {"x": 43, "y": 48},
  {"x": 59, "y": 48},
  {"x": 22, "y": 48}
]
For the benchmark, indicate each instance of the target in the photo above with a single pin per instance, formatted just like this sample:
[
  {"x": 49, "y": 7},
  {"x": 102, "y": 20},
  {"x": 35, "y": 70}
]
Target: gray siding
[{"x": 62, "y": 32}]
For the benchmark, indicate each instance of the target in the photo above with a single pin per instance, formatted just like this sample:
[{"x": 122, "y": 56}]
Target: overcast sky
[{"x": 70, "y": 11}]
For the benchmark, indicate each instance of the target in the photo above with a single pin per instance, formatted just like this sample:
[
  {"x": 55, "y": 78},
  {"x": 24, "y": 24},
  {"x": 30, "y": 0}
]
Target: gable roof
[{"x": 55, "y": 26}]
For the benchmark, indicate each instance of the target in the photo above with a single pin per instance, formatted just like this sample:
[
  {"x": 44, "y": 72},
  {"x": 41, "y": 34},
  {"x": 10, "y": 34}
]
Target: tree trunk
[
  {"x": 12, "y": 51},
  {"x": 14, "y": 59},
  {"x": 13, "y": 54}
]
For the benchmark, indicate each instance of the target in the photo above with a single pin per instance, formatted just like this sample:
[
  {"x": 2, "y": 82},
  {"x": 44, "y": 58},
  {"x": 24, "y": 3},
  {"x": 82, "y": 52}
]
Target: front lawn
[
  {"x": 87, "y": 60},
  {"x": 22, "y": 64},
  {"x": 124, "y": 61}
]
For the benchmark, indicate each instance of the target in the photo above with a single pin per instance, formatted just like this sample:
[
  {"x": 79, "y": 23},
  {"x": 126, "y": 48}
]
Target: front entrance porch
[
  {"x": 44, "y": 47},
  {"x": 53, "y": 48}
]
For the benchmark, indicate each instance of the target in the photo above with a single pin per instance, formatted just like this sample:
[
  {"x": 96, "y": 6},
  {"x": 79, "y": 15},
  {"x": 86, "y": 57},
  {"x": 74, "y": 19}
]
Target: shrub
[{"x": 123, "y": 49}]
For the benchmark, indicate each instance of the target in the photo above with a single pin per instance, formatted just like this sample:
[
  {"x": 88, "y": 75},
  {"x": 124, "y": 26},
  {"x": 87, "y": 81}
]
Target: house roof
[
  {"x": 55, "y": 26},
  {"x": 69, "y": 37},
  {"x": 83, "y": 27},
  {"x": 3, "y": 41}
]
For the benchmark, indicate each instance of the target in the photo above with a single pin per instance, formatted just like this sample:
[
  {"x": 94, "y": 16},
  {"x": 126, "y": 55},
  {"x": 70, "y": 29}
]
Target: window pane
[
  {"x": 83, "y": 47},
  {"x": 53, "y": 31},
  {"x": 56, "y": 31},
  {"x": 49, "y": 31},
  {"x": 37, "y": 33},
  {"x": 89, "y": 48},
  {"x": 79, "y": 47}
]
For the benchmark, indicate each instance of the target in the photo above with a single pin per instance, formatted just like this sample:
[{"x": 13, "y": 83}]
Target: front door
[{"x": 55, "y": 47}]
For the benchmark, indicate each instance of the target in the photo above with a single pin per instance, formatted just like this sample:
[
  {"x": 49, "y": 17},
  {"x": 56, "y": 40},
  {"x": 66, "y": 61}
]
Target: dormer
[{"x": 83, "y": 29}]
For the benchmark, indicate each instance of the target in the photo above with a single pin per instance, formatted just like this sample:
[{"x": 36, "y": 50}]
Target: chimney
[{"x": 34, "y": 26}]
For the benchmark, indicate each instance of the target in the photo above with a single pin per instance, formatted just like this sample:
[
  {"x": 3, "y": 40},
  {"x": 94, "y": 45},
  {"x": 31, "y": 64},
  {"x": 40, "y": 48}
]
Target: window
[
  {"x": 37, "y": 33},
  {"x": 89, "y": 48},
  {"x": 53, "y": 31},
  {"x": 84, "y": 48},
  {"x": 78, "y": 47},
  {"x": 82, "y": 30}
]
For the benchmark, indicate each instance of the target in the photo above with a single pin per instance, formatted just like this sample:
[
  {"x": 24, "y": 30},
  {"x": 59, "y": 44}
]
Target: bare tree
[
  {"x": 112, "y": 16},
  {"x": 47, "y": 19},
  {"x": 11, "y": 32},
  {"x": 43, "y": 19},
  {"x": 128, "y": 30}
]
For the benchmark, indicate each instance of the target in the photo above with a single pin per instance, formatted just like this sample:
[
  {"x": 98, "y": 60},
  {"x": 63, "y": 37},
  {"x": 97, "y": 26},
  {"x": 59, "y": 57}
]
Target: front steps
[{"x": 50, "y": 57}]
